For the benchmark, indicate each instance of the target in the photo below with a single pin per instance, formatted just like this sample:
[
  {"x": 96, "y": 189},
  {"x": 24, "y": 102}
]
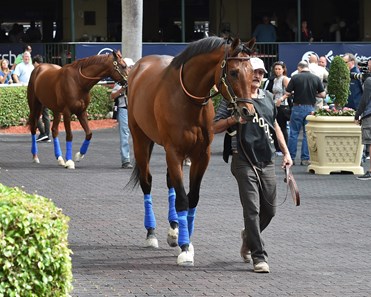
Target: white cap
[
  {"x": 303, "y": 64},
  {"x": 257, "y": 64},
  {"x": 129, "y": 62}
]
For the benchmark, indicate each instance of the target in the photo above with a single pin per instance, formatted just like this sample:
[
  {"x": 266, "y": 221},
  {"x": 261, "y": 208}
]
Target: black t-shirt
[
  {"x": 305, "y": 86},
  {"x": 256, "y": 136}
]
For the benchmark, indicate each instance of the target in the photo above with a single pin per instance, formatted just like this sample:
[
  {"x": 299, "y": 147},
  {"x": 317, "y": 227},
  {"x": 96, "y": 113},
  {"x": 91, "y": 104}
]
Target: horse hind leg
[
  {"x": 143, "y": 147},
  {"x": 35, "y": 111}
]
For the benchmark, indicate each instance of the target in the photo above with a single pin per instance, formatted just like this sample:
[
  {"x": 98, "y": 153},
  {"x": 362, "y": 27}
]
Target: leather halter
[{"x": 115, "y": 67}]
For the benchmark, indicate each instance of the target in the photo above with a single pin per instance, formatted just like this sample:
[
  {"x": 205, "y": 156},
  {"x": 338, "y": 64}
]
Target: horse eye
[{"x": 233, "y": 73}]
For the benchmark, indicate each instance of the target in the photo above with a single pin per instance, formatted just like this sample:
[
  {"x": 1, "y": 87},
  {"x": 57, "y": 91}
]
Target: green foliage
[
  {"x": 14, "y": 109},
  {"x": 339, "y": 82},
  {"x": 34, "y": 255},
  {"x": 100, "y": 103},
  {"x": 13, "y": 106},
  {"x": 216, "y": 99}
]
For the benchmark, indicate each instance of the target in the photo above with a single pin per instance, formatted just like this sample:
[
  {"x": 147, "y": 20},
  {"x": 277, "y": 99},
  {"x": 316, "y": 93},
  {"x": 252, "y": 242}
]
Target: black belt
[
  {"x": 125, "y": 107},
  {"x": 297, "y": 104}
]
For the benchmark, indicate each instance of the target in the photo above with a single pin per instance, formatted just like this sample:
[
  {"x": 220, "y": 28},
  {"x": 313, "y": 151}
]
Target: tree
[{"x": 132, "y": 22}]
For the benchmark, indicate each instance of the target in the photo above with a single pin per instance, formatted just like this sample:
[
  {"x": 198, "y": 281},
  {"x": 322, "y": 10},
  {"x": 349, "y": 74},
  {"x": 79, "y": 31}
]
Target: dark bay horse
[
  {"x": 65, "y": 90},
  {"x": 168, "y": 104}
]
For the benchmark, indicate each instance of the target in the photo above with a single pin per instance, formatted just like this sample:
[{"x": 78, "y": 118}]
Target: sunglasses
[{"x": 279, "y": 63}]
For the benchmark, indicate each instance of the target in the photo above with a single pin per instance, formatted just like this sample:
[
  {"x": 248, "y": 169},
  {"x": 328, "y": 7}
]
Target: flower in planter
[{"x": 345, "y": 111}]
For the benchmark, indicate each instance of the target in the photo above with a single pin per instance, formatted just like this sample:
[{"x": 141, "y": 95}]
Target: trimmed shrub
[
  {"x": 34, "y": 255},
  {"x": 338, "y": 82},
  {"x": 14, "y": 108}
]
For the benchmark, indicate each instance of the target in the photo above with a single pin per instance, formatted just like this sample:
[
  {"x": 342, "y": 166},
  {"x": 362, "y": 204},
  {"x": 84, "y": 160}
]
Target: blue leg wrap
[
  {"x": 183, "y": 228},
  {"x": 57, "y": 148},
  {"x": 172, "y": 216},
  {"x": 68, "y": 150},
  {"x": 84, "y": 147},
  {"x": 191, "y": 220},
  {"x": 149, "y": 216},
  {"x": 34, "y": 145}
]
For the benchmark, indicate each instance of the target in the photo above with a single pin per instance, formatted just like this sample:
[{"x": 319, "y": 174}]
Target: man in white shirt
[
  {"x": 319, "y": 71},
  {"x": 22, "y": 71}
]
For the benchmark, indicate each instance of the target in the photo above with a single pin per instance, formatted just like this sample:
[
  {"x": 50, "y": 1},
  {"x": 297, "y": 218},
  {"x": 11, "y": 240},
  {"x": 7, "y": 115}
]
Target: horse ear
[
  {"x": 251, "y": 43},
  {"x": 236, "y": 42}
]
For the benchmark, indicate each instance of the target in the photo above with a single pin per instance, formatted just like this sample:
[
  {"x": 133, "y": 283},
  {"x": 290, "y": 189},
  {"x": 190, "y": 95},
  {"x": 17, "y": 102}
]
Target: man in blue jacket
[{"x": 355, "y": 84}]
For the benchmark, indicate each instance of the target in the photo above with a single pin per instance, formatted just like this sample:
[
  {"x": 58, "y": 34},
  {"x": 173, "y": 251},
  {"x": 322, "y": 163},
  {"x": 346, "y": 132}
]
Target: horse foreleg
[
  {"x": 83, "y": 119},
  {"x": 70, "y": 164},
  {"x": 172, "y": 235},
  {"x": 55, "y": 132},
  {"x": 174, "y": 161}
]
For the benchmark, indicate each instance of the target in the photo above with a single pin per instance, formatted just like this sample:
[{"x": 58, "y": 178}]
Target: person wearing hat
[
  {"x": 253, "y": 153},
  {"x": 305, "y": 87},
  {"x": 119, "y": 95}
]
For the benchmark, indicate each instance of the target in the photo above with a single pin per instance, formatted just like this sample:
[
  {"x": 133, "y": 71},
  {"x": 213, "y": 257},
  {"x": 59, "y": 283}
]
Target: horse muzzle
[{"x": 245, "y": 109}]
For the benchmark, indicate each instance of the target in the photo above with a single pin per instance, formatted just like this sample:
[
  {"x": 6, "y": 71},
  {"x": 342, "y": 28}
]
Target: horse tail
[{"x": 134, "y": 178}]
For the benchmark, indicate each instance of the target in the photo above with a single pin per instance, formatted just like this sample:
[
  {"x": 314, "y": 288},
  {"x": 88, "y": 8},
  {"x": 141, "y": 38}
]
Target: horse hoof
[
  {"x": 36, "y": 160},
  {"x": 151, "y": 241},
  {"x": 61, "y": 161},
  {"x": 185, "y": 259},
  {"x": 78, "y": 157},
  {"x": 70, "y": 164},
  {"x": 190, "y": 249},
  {"x": 172, "y": 237}
]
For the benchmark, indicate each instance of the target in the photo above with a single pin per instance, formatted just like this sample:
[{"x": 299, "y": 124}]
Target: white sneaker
[
  {"x": 187, "y": 162},
  {"x": 261, "y": 267}
]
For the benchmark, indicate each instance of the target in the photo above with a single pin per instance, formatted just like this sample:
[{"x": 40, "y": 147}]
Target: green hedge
[
  {"x": 14, "y": 109},
  {"x": 34, "y": 255}
]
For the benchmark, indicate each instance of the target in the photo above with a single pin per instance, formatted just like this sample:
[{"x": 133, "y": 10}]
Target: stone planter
[{"x": 335, "y": 144}]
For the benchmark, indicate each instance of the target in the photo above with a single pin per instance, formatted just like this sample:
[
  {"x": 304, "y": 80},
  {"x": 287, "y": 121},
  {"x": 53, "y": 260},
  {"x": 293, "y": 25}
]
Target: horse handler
[{"x": 253, "y": 153}]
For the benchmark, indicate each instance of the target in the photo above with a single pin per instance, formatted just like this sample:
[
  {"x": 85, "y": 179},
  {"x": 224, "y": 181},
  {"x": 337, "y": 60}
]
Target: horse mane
[
  {"x": 84, "y": 62},
  {"x": 198, "y": 47}
]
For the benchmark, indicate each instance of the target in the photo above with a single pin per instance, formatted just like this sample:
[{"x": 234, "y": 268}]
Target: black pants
[
  {"x": 282, "y": 122},
  {"x": 43, "y": 123}
]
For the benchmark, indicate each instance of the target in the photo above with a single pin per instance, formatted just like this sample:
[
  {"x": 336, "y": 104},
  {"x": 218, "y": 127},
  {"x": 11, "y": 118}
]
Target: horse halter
[
  {"x": 116, "y": 67},
  {"x": 237, "y": 110},
  {"x": 234, "y": 100}
]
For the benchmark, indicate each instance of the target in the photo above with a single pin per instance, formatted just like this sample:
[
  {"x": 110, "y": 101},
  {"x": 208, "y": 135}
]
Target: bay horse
[
  {"x": 168, "y": 104},
  {"x": 65, "y": 90}
]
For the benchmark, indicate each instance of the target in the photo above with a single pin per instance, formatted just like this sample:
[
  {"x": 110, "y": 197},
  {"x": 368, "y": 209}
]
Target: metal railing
[
  {"x": 64, "y": 53},
  {"x": 59, "y": 53}
]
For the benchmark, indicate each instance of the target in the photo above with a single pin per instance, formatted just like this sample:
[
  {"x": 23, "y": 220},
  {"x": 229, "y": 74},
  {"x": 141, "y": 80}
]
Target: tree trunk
[{"x": 132, "y": 21}]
